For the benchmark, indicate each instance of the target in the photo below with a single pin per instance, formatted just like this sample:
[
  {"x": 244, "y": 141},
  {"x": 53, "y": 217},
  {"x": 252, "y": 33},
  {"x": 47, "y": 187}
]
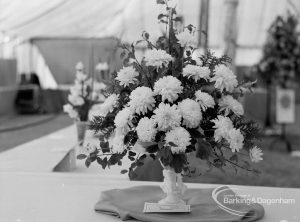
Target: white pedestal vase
[
  {"x": 173, "y": 187},
  {"x": 81, "y": 127}
]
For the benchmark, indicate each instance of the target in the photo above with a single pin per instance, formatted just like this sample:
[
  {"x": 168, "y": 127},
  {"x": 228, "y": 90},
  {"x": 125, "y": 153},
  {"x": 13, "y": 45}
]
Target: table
[
  {"x": 71, "y": 197},
  {"x": 30, "y": 191},
  {"x": 40, "y": 155}
]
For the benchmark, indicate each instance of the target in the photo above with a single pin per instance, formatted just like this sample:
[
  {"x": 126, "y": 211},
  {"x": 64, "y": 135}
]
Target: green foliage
[{"x": 281, "y": 53}]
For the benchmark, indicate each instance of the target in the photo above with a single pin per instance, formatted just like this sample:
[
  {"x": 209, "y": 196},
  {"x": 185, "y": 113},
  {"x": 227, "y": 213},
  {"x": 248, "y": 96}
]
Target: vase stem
[
  {"x": 173, "y": 187},
  {"x": 81, "y": 129}
]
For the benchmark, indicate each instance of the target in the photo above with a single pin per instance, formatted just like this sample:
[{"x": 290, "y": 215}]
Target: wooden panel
[{"x": 8, "y": 72}]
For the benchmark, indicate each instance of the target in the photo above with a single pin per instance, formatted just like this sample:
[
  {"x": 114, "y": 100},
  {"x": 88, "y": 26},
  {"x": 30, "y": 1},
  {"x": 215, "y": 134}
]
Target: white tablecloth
[
  {"x": 40, "y": 155},
  {"x": 69, "y": 197}
]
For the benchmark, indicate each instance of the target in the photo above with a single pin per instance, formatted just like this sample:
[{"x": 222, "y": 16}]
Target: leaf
[
  {"x": 160, "y": 16},
  {"x": 131, "y": 55},
  {"x": 190, "y": 149},
  {"x": 126, "y": 61},
  {"x": 188, "y": 53},
  {"x": 256, "y": 171},
  {"x": 81, "y": 156},
  {"x": 93, "y": 157},
  {"x": 162, "y": 2},
  {"x": 99, "y": 160},
  {"x": 165, "y": 155},
  {"x": 138, "y": 42},
  {"x": 177, "y": 19},
  {"x": 133, "y": 165},
  {"x": 113, "y": 159},
  {"x": 123, "y": 54},
  {"x": 203, "y": 149},
  {"x": 234, "y": 158},
  {"x": 152, "y": 148},
  {"x": 104, "y": 144},
  {"x": 131, "y": 153},
  {"x": 143, "y": 157},
  {"x": 172, "y": 144},
  {"x": 218, "y": 163},
  {"x": 124, "y": 171},
  {"x": 152, "y": 156},
  {"x": 131, "y": 158},
  {"x": 160, "y": 144},
  {"x": 195, "y": 133},
  {"x": 87, "y": 162},
  {"x": 104, "y": 147},
  {"x": 163, "y": 21},
  {"x": 140, "y": 163},
  {"x": 190, "y": 27},
  {"x": 178, "y": 162},
  {"x": 101, "y": 138},
  {"x": 103, "y": 162}
]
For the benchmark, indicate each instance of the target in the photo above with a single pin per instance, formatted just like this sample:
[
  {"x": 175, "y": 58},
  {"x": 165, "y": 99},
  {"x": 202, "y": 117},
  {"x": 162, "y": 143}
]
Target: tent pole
[
  {"x": 204, "y": 18},
  {"x": 230, "y": 31}
]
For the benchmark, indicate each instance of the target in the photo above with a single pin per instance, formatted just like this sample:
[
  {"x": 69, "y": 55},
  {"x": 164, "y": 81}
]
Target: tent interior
[{"x": 50, "y": 37}]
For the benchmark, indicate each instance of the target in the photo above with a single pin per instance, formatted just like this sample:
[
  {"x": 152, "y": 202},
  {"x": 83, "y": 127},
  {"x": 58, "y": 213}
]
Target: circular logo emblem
[{"x": 285, "y": 101}]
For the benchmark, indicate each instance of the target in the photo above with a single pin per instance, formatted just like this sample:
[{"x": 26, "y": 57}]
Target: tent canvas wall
[{"x": 62, "y": 54}]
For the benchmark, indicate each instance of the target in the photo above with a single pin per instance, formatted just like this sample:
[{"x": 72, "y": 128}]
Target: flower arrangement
[
  {"x": 280, "y": 63},
  {"x": 168, "y": 105},
  {"x": 83, "y": 95}
]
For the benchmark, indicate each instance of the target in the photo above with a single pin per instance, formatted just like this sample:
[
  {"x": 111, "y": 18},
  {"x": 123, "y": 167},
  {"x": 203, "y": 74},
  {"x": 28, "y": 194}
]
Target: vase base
[
  {"x": 166, "y": 208},
  {"x": 172, "y": 201}
]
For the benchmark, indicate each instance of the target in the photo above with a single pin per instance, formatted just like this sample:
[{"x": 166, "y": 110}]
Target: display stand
[{"x": 285, "y": 114}]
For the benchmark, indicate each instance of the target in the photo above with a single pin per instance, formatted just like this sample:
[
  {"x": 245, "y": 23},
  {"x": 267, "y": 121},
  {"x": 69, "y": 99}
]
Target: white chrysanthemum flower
[
  {"x": 127, "y": 76},
  {"x": 228, "y": 103},
  {"x": 141, "y": 100},
  {"x": 123, "y": 119},
  {"x": 75, "y": 100},
  {"x": 166, "y": 117},
  {"x": 76, "y": 89},
  {"x": 196, "y": 72},
  {"x": 235, "y": 139},
  {"x": 108, "y": 106},
  {"x": 99, "y": 86},
  {"x": 204, "y": 100},
  {"x": 224, "y": 78},
  {"x": 71, "y": 111},
  {"x": 168, "y": 87},
  {"x": 187, "y": 39},
  {"x": 79, "y": 66},
  {"x": 146, "y": 130},
  {"x": 180, "y": 137},
  {"x": 222, "y": 126},
  {"x": 117, "y": 144},
  {"x": 190, "y": 112},
  {"x": 157, "y": 58},
  {"x": 80, "y": 76},
  {"x": 101, "y": 66},
  {"x": 255, "y": 154}
]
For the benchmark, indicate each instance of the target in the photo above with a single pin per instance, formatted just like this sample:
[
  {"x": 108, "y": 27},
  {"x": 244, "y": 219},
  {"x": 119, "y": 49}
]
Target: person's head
[
  {"x": 23, "y": 79},
  {"x": 34, "y": 79}
]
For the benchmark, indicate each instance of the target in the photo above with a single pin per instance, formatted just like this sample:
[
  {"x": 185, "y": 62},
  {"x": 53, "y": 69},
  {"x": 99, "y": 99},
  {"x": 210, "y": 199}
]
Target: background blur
[{"x": 42, "y": 41}]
